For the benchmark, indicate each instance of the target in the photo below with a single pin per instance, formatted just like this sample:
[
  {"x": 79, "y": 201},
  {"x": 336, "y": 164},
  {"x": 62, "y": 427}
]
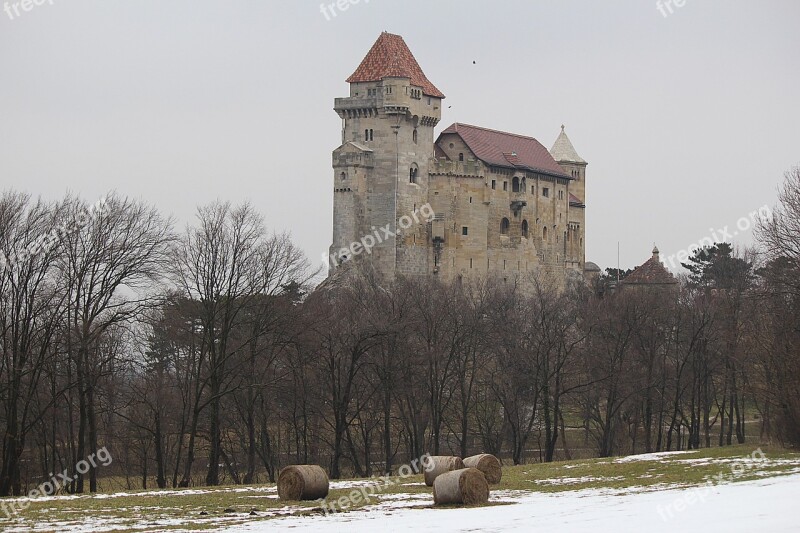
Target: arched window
[
  {"x": 544, "y": 233},
  {"x": 414, "y": 136},
  {"x": 515, "y": 184},
  {"x": 461, "y": 157},
  {"x": 343, "y": 175},
  {"x": 370, "y": 135},
  {"x": 504, "y": 225},
  {"x": 525, "y": 228},
  {"x": 366, "y": 135},
  {"x": 412, "y": 173}
]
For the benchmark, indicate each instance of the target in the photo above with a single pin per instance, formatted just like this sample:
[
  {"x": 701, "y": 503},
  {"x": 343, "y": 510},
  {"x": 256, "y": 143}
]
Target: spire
[
  {"x": 390, "y": 57},
  {"x": 655, "y": 252},
  {"x": 563, "y": 151}
]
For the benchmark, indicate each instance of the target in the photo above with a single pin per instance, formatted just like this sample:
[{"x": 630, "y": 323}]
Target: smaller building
[{"x": 652, "y": 275}]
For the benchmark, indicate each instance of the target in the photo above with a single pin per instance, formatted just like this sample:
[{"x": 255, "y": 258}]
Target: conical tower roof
[
  {"x": 563, "y": 151},
  {"x": 390, "y": 57}
]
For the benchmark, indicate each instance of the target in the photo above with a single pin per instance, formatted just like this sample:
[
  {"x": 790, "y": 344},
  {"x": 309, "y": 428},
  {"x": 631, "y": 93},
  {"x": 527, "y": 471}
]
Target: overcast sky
[{"x": 688, "y": 121}]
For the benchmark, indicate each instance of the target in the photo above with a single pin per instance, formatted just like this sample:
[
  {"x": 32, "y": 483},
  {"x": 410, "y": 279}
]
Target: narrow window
[
  {"x": 494, "y": 184},
  {"x": 414, "y": 136},
  {"x": 505, "y": 185},
  {"x": 366, "y": 135},
  {"x": 533, "y": 189},
  {"x": 515, "y": 184},
  {"x": 370, "y": 135},
  {"x": 504, "y": 225},
  {"x": 470, "y": 262},
  {"x": 525, "y": 228},
  {"x": 464, "y": 230},
  {"x": 343, "y": 175},
  {"x": 546, "y": 192},
  {"x": 544, "y": 233},
  {"x": 461, "y": 157}
]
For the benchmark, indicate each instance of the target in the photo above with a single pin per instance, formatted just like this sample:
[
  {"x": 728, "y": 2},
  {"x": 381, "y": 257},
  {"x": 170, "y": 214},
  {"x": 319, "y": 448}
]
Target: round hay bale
[
  {"x": 441, "y": 464},
  {"x": 302, "y": 482},
  {"x": 488, "y": 464},
  {"x": 467, "y": 486}
]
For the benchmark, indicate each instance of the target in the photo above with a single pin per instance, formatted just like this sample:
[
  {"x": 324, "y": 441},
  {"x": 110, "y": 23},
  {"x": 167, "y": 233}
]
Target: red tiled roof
[
  {"x": 652, "y": 272},
  {"x": 574, "y": 200},
  {"x": 390, "y": 57},
  {"x": 506, "y": 149}
]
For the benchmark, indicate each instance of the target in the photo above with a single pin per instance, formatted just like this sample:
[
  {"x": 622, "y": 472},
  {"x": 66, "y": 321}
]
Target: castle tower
[
  {"x": 381, "y": 168},
  {"x": 567, "y": 157}
]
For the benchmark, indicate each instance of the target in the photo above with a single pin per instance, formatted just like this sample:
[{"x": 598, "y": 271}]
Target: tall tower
[
  {"x": 381, "y": 168},
  {"x": 574, "y": 165}
]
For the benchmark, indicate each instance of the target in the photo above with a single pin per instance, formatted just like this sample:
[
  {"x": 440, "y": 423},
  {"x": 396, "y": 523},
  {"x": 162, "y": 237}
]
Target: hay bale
[
  {"x": 302, "y": 482},
  {"x": 467, "y": 486},
  {"x": 441, "y": 464},
  {"x": 488, "y": 464}
]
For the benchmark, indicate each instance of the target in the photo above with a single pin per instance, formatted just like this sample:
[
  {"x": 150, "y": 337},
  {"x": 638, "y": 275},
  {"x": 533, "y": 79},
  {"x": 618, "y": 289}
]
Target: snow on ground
[
  {"x": 762, "y": 505},
  {"x": 575, "y": 480},
  {"x": 650, "y": 456}
]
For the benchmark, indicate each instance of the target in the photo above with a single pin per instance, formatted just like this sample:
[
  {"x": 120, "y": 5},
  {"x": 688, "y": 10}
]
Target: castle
[{"x": 471, "y": 201}]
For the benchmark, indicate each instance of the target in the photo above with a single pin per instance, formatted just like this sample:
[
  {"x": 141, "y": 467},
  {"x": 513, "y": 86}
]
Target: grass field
[{"x": 210, "y": 508}]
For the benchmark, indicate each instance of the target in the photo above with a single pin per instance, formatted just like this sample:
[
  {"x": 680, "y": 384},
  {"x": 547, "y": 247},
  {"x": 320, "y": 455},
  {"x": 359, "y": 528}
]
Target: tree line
[{"x": 207, "y": 356}]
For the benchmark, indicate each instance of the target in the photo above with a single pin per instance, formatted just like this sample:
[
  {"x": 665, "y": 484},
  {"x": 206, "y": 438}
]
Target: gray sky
[{"x": 688, "y": 121}]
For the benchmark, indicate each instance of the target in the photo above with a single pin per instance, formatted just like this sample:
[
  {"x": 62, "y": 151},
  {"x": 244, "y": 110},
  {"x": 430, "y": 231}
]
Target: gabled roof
[
  {"x": 574, "y": 200},
  {"x": 507, "y": 150},
  {"x": 652, "y": 272},
  {"x": 390, "y": 57},
  {"x": 563, "y": 151}
]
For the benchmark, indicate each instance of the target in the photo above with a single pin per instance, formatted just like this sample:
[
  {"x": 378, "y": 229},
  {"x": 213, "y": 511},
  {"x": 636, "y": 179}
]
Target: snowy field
[
  {"x": 735, "y": 489},
  {"x": 761, "y": 505}
]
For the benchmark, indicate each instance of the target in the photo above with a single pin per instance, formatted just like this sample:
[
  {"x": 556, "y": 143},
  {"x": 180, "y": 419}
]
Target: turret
[{"x": 381, "y": 168}]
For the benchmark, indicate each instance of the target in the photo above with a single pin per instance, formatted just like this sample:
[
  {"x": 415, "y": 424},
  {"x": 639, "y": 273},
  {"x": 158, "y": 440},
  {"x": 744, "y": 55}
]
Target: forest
[{"x": 212, "y": 355}]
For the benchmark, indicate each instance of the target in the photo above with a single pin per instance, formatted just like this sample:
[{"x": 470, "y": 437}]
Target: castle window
[
  {"x": 494, "y": 184},
  {"x": 544, "y": 233},
  {"x": 412, "y": 173},
  {"x": 461, "y": 157},
  {"x": 515, "y": 184},
  {"x": 525, "y": 228},
  {"x": 370, "y": 134},
  {"x": 343, "y": 175},
  {"x": 464, "y": 230},
  {"x": 545, "y": 192},
  {"x": 533, "y": 189},
  {"x": 560, "y": 195},
  {"x": 414, "y": 136},
  {"x": 470, "y": 262},
  {"x": 505, "y": 185},
  {"x": 504, "y": 225}
]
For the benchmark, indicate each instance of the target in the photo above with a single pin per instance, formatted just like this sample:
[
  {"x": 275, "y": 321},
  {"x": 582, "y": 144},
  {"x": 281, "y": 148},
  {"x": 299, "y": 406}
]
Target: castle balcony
[
  {"x": 389, "y": 98},
  {"x": 518, "y": 201},
  {"x": 354, "y": 159},
  {"x": 456, "y": 168}
]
